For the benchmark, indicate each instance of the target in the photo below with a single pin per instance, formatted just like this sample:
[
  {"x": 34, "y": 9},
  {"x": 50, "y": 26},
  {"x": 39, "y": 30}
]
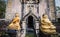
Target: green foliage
[
  {"x": 3, "y": 34},
  {"x": 2, "y": 8},
  {"x": 30, "y": 35},
  {"x": 57, "y": 8}
]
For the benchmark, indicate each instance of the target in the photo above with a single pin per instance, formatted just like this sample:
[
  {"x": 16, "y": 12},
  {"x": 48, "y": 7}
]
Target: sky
[{"x": 57, "y": 2}]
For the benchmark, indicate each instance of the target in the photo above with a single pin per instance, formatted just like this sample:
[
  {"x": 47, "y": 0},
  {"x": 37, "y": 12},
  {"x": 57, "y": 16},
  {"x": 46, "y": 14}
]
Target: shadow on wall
[{"x": 58, "y": 19}]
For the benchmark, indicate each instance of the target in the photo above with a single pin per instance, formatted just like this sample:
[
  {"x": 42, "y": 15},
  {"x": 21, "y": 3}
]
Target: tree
[
  {"x": 2, "y": 8},
  {"x": 57, "y": 8}
]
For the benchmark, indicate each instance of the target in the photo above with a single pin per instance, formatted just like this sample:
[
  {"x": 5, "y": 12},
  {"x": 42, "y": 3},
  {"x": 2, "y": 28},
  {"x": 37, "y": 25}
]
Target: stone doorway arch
[{"x": 34, "y": 22}]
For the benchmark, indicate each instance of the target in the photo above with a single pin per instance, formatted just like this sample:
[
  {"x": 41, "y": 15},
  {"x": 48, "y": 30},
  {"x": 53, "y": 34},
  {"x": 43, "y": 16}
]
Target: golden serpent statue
[
  {"x": 15, "y": 24},
  {"x": 47, "y": 26}
]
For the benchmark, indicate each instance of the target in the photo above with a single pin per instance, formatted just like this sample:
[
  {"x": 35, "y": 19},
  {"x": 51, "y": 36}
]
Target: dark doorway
[
  {"x": 30, "y": 22},
  {"x": 30, "y": 26}
]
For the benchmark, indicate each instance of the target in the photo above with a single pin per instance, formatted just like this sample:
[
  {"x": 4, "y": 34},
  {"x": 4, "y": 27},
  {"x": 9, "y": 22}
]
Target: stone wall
[
  {"x": 42, "y": 7},
  {"x": 12, "y": 7},
  {"x": 52, "y": 9}
]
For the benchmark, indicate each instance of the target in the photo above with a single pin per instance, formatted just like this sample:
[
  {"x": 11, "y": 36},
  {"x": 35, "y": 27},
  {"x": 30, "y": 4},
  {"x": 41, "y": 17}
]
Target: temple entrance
[
  {"x": 30, "y": 23},
  {"x": 30, "y": 26}
]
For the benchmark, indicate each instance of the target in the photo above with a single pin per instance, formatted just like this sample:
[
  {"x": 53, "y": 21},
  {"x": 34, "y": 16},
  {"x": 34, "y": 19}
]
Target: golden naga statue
[
  {"x": 15, "y": 24},
  {"x": 46, "y": 25}
]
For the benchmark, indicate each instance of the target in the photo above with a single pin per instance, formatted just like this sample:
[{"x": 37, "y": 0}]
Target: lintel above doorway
[{"x": 30, "y": 1}]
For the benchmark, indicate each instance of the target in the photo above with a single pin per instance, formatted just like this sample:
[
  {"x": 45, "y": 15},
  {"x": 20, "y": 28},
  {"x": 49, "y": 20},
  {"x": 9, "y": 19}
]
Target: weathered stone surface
[
  {"x": 52, "y": 9},
  {"x": 14, "y": 6}
]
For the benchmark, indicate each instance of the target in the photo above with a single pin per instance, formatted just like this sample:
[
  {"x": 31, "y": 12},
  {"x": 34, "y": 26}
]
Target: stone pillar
[
  {"x": 23, "y": 29},
  {"x": 37, "y": 28},
  {"x": 52, "y": 9}
]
